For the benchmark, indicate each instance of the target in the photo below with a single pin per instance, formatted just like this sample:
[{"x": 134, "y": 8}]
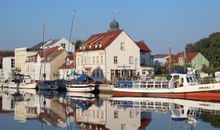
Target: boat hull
[
  {"x": 206, "y": 92},
  {"x": 23, "y": 86},
  {"x": 205, "y": 96},
  {"x": 81, "y": 88}
]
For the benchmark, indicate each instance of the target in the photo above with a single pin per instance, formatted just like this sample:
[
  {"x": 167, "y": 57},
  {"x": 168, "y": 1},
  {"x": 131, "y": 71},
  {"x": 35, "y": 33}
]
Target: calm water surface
[{"x": 27, "y": 109}]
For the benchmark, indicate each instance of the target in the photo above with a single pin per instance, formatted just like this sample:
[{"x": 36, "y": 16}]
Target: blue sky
[{"x": 160, "y": 23}]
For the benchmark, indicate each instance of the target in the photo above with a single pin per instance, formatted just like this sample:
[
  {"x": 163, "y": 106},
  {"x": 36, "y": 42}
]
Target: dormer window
[
  {"x": 63, "y": 45},
  {"x": 96, "y": 46}
]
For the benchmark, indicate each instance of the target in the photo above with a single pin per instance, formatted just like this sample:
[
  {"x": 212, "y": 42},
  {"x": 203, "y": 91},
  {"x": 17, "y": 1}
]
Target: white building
[
  {"x": 112, "y": 55},
  {"x": 46, "y": 62},
  {"x": 67, "y": 68},
  {"x": 21, "y": 54},
  {"x": 7, "y": 64},
  {"x": 160, "y": 59}
]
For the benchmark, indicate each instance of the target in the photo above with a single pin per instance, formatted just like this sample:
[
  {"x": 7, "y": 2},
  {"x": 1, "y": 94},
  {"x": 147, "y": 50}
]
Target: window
[
  {"x": 115, "y": 60},
  {"x": 131, "y": 60},
  {"x": 12, "y": 63},
  {"x": 63, "y": 45},
  {"x": 93, "y": 60},
  {"x": 101, "y": 59},
  {"x": 122, "y": 46},
  {"x": 78, "y": 61},
  {"x": 115, "y": 114},
  {"x": 82, "y": 61},
  {"x": 97, "y": 59},
  {"x": 123, "y": 126}
]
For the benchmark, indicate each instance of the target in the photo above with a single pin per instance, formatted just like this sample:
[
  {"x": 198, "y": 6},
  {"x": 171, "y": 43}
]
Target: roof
[
  {"x": 190, "y": 56},
  {"x": 48, "y": 54},
  {"x": 143, "y": 47},
  {"x": 46, "y": 43},
  {"x": 160, "y": 55},
  {"x": 100, "y": 41},
  {"x": 68, "y": 66},
  {"x": 6, "y": 53}
]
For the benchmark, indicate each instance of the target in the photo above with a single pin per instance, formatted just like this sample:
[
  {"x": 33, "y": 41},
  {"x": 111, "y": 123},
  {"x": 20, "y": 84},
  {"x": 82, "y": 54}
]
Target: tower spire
[{"x": 114, "y": 25}]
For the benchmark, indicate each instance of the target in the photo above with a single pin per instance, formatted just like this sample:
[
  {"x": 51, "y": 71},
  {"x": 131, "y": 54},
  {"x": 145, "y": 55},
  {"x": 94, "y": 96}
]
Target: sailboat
[
  {"x": 45, "y": 85},
  {"x": 79, "y": 82}
]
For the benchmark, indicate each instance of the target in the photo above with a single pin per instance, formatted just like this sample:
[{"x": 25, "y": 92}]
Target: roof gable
[{"x": 190, "y": 56}]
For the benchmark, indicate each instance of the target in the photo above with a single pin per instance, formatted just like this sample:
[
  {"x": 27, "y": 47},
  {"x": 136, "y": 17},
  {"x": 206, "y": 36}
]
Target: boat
[
  {"x": 82, "y": 83},
  {"x": 48, "y": 85},
  {"x": 179, "y": 86},
  {"x": 78, "y": 82},
  {"x": 21, "y": 81}
]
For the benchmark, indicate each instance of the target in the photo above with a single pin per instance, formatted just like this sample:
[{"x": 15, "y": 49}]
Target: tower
[{"x": 114, "y": 25}]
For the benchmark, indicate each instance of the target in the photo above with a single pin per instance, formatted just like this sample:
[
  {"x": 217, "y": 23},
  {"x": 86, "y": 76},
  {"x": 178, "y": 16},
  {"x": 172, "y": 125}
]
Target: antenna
[{"x": 114, "y": 13}]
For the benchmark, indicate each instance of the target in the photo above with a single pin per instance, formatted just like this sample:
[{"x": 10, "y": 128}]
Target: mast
[
  {"x": 44, "y": 74},
  {"x": 72, "y": 47}
]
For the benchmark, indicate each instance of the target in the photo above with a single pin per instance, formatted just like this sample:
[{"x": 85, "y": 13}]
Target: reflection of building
[
  {"x": 111, "y": 117},
  {"x": 23, "y": 111},
  {"x": 126, "y": 118}
]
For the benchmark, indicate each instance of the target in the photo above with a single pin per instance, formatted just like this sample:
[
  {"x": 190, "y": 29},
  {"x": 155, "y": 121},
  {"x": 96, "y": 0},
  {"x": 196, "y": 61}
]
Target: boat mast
[{"x": 44, "y": 74}]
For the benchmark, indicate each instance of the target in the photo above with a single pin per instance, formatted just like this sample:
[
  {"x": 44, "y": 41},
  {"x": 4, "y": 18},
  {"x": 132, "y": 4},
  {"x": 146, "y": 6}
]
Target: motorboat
[{"x": 179, "y": 86}]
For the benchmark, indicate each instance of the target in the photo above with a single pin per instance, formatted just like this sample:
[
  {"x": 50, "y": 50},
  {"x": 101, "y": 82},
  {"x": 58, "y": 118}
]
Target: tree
[{"x": 78, "y": 43}]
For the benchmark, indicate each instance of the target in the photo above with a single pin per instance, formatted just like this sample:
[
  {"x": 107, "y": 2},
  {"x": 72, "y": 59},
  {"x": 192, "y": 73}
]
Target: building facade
[{"x": 46, "y": 62}]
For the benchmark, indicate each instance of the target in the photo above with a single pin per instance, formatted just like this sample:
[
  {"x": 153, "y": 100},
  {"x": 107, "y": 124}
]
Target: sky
[{"x": 162, "y": 24}]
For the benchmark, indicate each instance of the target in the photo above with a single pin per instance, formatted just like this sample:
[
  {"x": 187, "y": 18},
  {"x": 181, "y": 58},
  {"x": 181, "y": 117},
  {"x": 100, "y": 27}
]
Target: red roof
[
  {"x": 68, "y": 66},
  {"x": 100, "y": 41},
  {"x": 143, "y": 47},
  {"x": 48, "y": 53},
  {"x": 190, "y": 56}
]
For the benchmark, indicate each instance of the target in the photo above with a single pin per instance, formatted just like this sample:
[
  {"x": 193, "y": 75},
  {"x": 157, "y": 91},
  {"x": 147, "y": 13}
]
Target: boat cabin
[{"x": 179, "y": 80}]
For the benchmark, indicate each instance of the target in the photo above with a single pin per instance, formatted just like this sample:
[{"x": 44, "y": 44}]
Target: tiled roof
[
  {"x": 48, "y": 54},
  {"x": 68, "y": 66},
  {"x": 100, "y": 41},
  {"x": 143, "y": 47},
  {"x": 190, "y": 56}
]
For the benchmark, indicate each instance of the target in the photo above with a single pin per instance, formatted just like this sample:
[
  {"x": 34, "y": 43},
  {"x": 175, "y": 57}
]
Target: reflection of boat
[
  {"x": 74, "y": 95},
  {"x": 22, "y": 81},
  {"x": 180, "y": 109},
  {"x": 180, "y": 86}
]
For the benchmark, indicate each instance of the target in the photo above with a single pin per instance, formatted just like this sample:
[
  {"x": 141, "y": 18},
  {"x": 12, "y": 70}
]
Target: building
[
  {"x": 7, "y": 64},
  {"x": 46, "y": 62},
  {"x": 194, "y": 60},
  {"x": 112, "y": 55},
  {"x": 160, "y": 59},
  {"x": 62, "y": 42},
  {"x": 67, "y": 67},
  {"x": 21, "y": 54}
]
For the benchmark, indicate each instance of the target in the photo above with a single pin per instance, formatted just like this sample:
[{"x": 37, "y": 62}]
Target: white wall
[
  {"x": 114, "y": 49},
  {"x": 7, "y": 61}
]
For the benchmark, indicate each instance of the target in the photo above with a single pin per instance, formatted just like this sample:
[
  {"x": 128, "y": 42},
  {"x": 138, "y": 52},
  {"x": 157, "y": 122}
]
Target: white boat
[
  {"x": 22, "y": 82},
  {"x": 48, "y": 85},
  {"x": 80, "y": 88},
  {"x": 180, "y": 86},
  {"x": 82, "y": 84}
]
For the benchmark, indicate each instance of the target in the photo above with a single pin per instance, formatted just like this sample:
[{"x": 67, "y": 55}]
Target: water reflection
[{"x": 88, "y": 111}]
